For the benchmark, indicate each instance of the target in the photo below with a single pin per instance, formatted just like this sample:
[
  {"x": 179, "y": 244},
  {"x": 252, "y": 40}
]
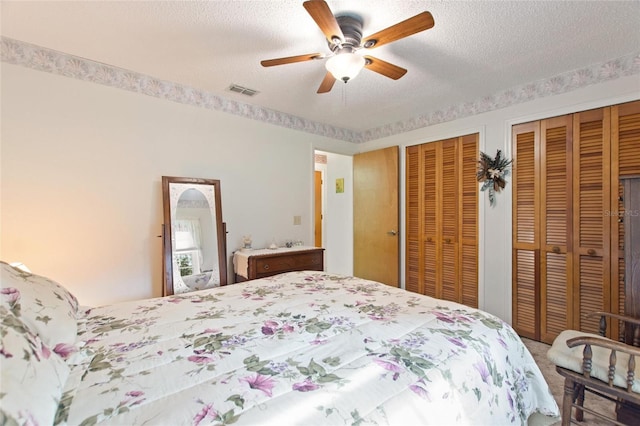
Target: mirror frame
[{"x": 167, "y": 230}]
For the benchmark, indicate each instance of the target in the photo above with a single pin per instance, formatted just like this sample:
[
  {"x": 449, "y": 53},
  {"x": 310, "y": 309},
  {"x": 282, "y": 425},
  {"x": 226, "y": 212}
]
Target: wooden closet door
[
  {"x": 442, "y": 219},
  {"x": 568, "y": 220},
  {"x": 525, "y": 233},
  {"x": 413, "y": 271},
  {"x": 555, "y": 227},
  {"x": 447, "y": 237},
  {"x": 468, "y": 220},
  {"x": 591, "y": 227},
  {"x": 431, "y": 218}
]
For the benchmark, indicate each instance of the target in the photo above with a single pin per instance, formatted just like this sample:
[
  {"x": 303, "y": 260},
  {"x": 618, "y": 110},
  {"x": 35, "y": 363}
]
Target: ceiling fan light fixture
[{"x": 345, "y": 66}]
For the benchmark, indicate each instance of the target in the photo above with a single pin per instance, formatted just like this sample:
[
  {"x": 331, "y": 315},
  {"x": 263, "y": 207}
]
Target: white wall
[
  {"x": 81, "y": 168},
  {"x": 495, "y": 133}
]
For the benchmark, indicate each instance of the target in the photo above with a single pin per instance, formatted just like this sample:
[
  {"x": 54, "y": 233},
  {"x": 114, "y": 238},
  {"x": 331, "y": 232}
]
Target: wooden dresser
[{"x": 249, "y": 265}]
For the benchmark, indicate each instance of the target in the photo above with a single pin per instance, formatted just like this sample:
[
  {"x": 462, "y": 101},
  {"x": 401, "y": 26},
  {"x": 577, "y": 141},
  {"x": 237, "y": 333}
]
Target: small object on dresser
[{"x": 246, "y": 241}]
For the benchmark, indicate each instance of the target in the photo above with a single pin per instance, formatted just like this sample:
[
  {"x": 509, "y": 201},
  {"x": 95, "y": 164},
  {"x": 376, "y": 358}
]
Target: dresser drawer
[
  {"x": 267, "y": 265},
  {"x": 274, "y": 265},
  {"x": 310, "y": 261}
]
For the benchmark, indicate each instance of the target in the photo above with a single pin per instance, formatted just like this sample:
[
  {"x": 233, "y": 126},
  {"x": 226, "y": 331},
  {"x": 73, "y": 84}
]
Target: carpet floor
[{"x": 556, "y": 383}]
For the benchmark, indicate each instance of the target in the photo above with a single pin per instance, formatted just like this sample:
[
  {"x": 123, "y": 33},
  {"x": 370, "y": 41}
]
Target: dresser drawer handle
[{"x": 266, "y": 267}]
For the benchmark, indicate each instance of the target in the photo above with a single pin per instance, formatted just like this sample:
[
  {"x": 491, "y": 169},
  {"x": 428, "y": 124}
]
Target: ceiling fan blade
[
  {"x": 320, "y": 12},
  {"x": 290, "y": 59},
  {"x": 385, "y": 68},
  {"x": 327, "y": 83},
  {"x": 420, "y": 22}
]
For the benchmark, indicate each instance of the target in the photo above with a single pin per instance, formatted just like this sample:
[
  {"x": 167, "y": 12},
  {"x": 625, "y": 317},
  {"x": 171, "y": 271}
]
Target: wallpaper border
[{"x": 48, "y": 60}]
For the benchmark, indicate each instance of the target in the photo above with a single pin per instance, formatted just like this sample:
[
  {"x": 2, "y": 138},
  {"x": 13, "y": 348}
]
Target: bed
[{"x": 304, "y": 348}]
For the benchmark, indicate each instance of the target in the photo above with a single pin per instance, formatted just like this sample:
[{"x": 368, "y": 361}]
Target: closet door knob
[
  {"x": 591, "y": 252},
  {"x": 555, "y": 249},
  {"x": 447, "y": 240}
]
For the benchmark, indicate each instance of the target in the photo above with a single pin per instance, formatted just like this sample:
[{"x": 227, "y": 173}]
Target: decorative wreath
[{"x": 492, "y": 173}]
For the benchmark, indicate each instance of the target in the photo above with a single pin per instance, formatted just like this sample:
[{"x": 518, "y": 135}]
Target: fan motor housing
[{"x": 351, "y": 26}]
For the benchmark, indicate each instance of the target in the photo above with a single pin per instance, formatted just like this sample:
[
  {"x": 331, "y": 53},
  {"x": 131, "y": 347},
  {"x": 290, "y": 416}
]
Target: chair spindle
[
  {"x": 603, "y": 325},
  {"x": 631, "y": 372},
  {"x": 612, "y": 366},
  {"x": 586, "y": 360}
]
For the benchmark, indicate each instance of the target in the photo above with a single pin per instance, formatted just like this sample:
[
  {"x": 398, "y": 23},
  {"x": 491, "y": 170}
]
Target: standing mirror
[{"x": 194, "y": 240}]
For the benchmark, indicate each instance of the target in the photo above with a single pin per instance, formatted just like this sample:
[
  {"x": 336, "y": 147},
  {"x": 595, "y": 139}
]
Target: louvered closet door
[
  {"x": 442, "y": 219},
  {"x": 413, "y": 277},
  {"x": 555, "y": 226},
  {"x": 526, "y": 142},
  {"x": 468, "y": 220},
  {"x": 591, "y": 227},
  {"x": 431, "y": 155},
  {"x": 580, "y": 267},
  {"x": 448, "y": 212}
]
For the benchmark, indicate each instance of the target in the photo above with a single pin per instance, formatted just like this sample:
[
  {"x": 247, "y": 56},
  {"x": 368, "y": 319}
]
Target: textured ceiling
[{"x": 475, "y": 50}]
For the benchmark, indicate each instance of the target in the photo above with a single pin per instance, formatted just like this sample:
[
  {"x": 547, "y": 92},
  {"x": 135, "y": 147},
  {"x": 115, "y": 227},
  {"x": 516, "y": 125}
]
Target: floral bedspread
[{"x": 300, "y": 348}]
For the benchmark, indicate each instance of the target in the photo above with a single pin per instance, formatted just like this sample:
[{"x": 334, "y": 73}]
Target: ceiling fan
[{"x": 344, "y": 36}]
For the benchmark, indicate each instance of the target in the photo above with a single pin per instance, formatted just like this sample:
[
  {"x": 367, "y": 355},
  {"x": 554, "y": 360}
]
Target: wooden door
[
  {"x": 591, "y": 228},
  {"x": 468, "y": 220},
  {"x": 422, "y": 201},
  {"x": 447, "y": 222},
  {"x": 525, "y": 233},
  {"x": 556, "y": 283},
  {"x": 318, "y": 208},
  {"x": 430, "y": 219},
  {"x": 413, "y": 188},
  {"x": 375, "y": 211}
]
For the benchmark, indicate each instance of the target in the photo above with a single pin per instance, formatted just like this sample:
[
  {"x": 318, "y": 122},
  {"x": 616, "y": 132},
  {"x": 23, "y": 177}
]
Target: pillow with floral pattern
[
  {"x": 46, "y": 307},
  {"x": 32, "y": 377}
]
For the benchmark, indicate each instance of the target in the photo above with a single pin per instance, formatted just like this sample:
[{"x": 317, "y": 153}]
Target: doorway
[
  {"x": 318, "y": 208},
  {"x": 337, "y": 210}
]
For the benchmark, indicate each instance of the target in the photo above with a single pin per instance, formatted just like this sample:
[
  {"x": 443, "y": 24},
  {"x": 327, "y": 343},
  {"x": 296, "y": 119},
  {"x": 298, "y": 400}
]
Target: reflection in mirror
[{"x": 195, "y": 238}]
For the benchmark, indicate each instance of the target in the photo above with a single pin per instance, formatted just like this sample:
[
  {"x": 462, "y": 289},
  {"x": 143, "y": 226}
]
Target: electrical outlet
[{"x": 297, "y": 220}]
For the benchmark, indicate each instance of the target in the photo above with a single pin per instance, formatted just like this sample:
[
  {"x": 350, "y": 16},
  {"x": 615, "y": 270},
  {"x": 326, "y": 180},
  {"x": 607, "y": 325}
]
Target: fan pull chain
[{"x": 344, "y": 95}]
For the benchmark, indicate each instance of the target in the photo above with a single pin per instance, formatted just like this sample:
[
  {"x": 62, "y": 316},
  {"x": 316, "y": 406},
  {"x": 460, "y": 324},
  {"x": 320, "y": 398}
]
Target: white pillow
[
  {"x": 32, "y": 375},
  {"x": 46, "y": 307}
]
